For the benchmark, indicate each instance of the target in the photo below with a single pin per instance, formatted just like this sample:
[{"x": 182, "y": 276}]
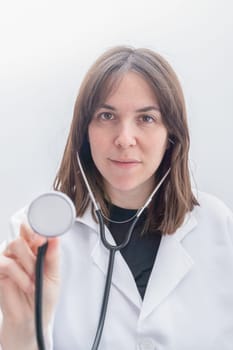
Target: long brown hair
[{"x": 175, "y": 198}]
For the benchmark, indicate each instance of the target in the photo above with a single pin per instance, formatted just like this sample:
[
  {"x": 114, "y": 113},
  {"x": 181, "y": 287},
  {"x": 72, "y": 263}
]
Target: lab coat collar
[
  {"x": 88, "y": 220},
  {"x": 171, "y": 266},
  {"x": 122, "y": 277}
]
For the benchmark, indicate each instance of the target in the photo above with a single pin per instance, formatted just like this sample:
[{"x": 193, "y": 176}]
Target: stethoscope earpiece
[{"x": 171, "y": 141}]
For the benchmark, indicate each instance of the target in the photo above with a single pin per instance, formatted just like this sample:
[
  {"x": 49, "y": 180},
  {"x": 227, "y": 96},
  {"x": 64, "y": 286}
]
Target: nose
[{"x": 125, "y": 136}]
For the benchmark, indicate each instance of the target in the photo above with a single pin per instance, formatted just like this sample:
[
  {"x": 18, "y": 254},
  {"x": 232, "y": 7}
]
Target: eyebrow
[{"x": 144, "y": 109}]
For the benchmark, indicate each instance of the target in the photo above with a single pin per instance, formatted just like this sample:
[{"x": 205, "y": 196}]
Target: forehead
[{"x": 130, "y": 86}]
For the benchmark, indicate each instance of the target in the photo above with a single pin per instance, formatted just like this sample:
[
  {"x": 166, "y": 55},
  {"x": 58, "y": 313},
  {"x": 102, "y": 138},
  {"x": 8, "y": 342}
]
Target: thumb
[{"x": 52, "y": 258}]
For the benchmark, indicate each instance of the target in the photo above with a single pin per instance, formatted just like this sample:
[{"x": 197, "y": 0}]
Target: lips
[{"x": 125, "y": 162}]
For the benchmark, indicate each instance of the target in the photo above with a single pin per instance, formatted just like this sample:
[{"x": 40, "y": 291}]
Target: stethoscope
[{"x": 53, "y": 214}]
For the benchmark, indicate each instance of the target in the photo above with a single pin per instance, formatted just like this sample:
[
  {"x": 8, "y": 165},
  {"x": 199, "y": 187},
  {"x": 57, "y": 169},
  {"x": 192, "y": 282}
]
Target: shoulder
[
  {"x": 212, "y": 205},
  {"x": 213, "y": 214}
]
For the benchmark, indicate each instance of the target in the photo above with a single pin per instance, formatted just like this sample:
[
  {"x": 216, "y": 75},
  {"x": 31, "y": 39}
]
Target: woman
[{"x": 172, "y": 285}]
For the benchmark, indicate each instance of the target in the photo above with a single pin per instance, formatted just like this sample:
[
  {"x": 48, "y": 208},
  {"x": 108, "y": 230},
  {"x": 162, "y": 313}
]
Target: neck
[
  {"x": 129, "y": 200},
  {"x": 137, "y": 197}
]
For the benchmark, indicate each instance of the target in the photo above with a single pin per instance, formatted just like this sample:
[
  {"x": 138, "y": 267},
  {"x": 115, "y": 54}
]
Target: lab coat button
[{"x": 147, "y": 344}]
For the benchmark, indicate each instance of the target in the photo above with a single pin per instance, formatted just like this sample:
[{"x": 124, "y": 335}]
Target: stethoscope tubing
[
  {"x": 39, "y": 296},
  {"x": 39, "y": 283},
  {"x": 105, "y": 300},
  {"x": 112, "y": 251}
]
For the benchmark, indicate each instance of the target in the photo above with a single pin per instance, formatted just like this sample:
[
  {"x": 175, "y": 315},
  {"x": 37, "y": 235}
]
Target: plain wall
[{"x": 47, "y": 47}]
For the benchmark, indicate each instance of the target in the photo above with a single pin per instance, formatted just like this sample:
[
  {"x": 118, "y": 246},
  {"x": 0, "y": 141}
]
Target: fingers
[
  {"x": 22, "y": 254},
  {"x": 33, "y": 239},
  {"x": 52, "y": 254},
  {"x": 17, "y": 263},
  {"x": 9, "y": 269},
  {"x": 52, "y": 258}
]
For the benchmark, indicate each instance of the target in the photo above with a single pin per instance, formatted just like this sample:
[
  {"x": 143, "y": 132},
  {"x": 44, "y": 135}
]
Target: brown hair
[{"x": 175, "y": 198}]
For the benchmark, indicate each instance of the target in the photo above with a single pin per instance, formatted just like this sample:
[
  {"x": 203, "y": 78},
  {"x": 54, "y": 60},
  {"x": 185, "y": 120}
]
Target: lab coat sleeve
[{"x": 15, "y": 222}]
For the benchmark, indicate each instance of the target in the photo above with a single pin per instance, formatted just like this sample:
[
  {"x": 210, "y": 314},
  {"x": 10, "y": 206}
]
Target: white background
[{"x": 46, "y": 48}]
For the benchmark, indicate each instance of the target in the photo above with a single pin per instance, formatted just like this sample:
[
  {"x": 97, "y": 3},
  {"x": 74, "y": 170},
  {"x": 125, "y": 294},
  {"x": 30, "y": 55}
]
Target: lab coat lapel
[
  {"x": 171, "y": 265},
  {"x": 122, "y": 277}
]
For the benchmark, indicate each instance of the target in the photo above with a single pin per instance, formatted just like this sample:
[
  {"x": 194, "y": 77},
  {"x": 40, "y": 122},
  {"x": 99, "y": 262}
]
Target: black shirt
[{"x": 141, "y": 251}]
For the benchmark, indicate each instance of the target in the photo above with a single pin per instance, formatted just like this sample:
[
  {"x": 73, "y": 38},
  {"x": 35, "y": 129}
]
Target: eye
[
  {"x": 147, "y": 118},
  {"x": 105, "y": 116}
]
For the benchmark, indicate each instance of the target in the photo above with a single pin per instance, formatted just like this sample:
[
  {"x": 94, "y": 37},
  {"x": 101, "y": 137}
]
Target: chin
[{"x": 124, "y": 186}]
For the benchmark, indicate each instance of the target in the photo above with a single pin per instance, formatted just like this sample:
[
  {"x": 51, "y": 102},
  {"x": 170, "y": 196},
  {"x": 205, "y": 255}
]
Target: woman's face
[{"x": 128, "y": 140}]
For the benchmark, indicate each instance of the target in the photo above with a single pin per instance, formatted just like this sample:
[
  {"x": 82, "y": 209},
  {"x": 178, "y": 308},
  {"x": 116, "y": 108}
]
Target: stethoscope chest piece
[{"x": 51, "y": 214}]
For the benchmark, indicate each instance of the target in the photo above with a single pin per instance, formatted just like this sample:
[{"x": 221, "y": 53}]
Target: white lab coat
[{"x": 188, "y": 304}]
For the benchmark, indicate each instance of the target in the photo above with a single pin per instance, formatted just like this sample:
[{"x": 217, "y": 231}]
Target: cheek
[
  {"x": 96, "y": 139},
  {"x": 158, "y": 144},
  {"x": 98, "y": 144},
  {"x": 92, "y": 137}
]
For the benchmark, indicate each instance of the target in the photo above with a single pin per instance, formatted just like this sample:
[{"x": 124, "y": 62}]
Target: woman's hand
[{"x": 17, "y": 286}]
